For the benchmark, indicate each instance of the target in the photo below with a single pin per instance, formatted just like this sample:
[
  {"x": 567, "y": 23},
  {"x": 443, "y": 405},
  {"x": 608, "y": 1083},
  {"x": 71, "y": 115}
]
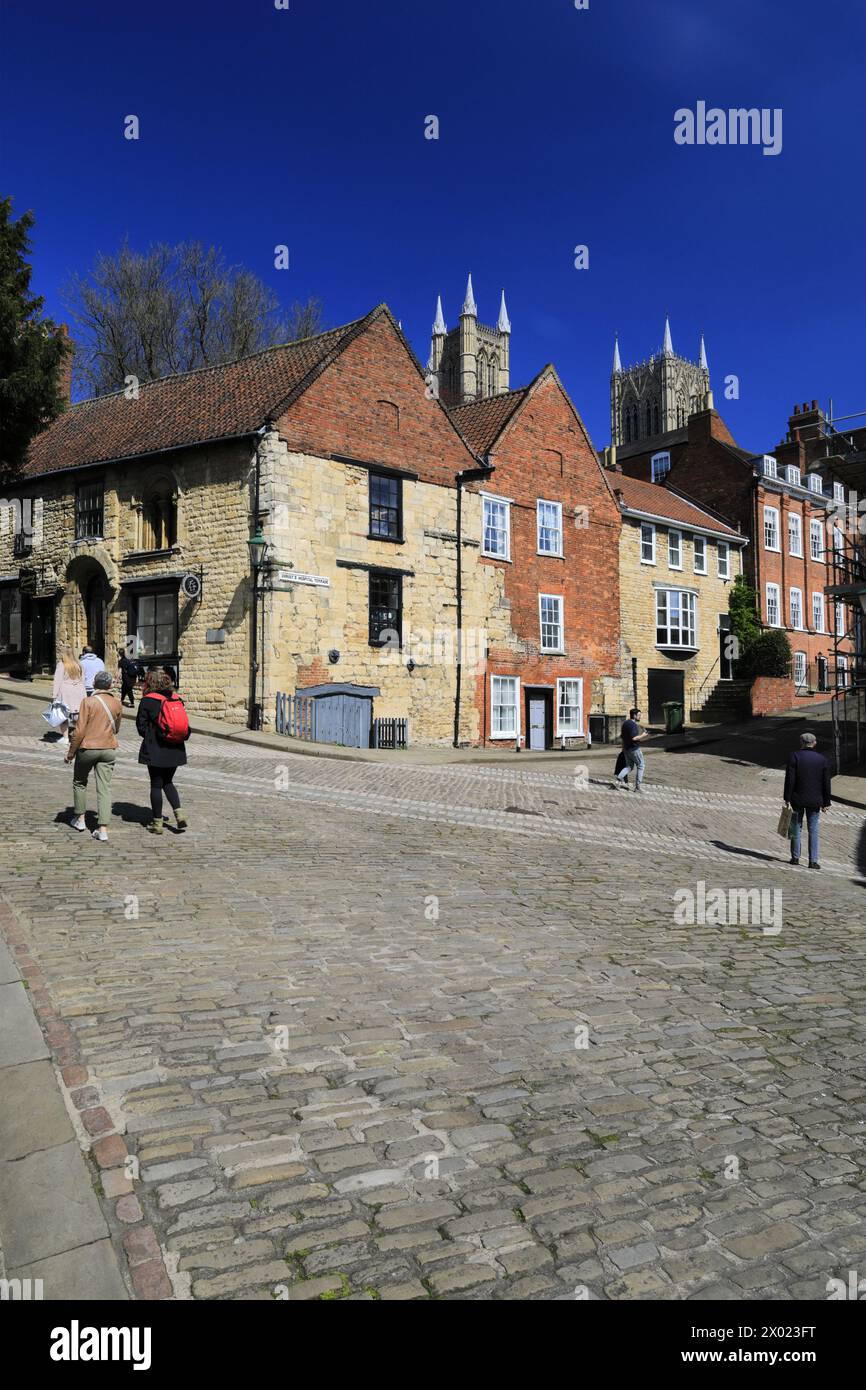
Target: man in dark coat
[
  {"x": 160, "y": 758},
  {"x": 807, "y": 791}
]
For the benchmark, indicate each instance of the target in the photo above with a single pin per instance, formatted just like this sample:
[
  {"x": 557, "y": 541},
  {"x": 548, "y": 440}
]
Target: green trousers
[{"x": 102, "y": 761}]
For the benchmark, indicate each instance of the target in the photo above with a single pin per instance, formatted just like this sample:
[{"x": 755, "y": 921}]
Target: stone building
[
  {"x": 472, "y": 362},
  {"x": 677, "y": 562},
  {"x": 551, "y": 537},
  {"x": 334, "y": 451},
  {"x": 657, "y": 395}
]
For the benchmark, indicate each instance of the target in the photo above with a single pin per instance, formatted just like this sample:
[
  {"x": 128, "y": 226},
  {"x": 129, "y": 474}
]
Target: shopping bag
[
  {"x": 56, "y": 714},
  {"x": 620, "y": 763},
  {"x": 784, "y": 826}
]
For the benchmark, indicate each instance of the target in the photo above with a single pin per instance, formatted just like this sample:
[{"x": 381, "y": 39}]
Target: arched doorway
[
  {"x": 95, "y": 594},
  {"x": 86, "y": 605}
]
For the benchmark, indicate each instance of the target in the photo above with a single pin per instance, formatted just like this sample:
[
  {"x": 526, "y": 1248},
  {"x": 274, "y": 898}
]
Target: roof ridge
[
  {"x": 662, "y": 489},
  {"x": 217, "y": 366},
  {"x": 488, "y": 400}
]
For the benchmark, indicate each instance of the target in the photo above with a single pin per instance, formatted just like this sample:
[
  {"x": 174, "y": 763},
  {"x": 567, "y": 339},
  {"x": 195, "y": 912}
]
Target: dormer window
[
  {"x": 816, "y": 483},
  {"x": 768, "y": 466},
  {"x": 792, "y": 475},
  {"x": 660, "y": 464},
  {"x": 838, "y": 492}
]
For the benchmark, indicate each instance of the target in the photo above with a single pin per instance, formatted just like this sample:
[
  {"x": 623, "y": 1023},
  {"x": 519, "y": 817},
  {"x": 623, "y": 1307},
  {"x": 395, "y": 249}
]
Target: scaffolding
[{"x": 846, "y": 457}]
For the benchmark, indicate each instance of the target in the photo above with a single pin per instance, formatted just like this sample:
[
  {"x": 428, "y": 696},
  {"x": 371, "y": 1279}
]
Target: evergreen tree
[
  {"x": 32, "y": 350},
  {"x": 745, "y": 623}
]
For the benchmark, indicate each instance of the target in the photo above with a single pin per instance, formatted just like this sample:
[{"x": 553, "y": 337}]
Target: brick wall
[
  {"x": 777, "y": 695},
  {"x": 545, "y": 453},
  {"x": 372, "y": 404}
]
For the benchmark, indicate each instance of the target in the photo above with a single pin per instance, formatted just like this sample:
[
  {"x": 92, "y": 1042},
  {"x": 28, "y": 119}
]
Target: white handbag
[{"x": 56, "y": 714}]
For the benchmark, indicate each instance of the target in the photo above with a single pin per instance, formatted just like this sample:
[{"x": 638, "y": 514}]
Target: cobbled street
[{"x": 378, "y": 1032}]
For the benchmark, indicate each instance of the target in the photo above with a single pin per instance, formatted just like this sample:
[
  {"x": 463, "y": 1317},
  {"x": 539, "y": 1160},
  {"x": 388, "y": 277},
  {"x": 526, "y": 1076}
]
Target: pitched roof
[
  {"x": 482, "y": 422},
  {"x": 654, "y": 499},
  {"x": 221, "y": 402}
]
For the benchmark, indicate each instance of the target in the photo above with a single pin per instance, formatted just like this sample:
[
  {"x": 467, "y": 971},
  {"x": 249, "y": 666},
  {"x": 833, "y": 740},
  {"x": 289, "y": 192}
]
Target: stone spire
[
  {"x": 504, "y": 323},
  {"x": 668, "y": 347},
  {"x": 469, "y": 306},
  {"x": 439, "y": 328},
  {"x": 702, "y": 359},
  {"x": 617, "y": 364}
]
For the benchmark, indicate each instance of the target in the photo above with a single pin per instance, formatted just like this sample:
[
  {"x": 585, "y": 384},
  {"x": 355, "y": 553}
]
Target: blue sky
[{"x": 306, "y": 127}]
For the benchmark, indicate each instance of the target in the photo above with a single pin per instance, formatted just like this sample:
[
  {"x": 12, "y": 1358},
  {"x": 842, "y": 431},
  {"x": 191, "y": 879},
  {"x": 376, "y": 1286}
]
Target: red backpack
[{"x": 172, "y": 721}]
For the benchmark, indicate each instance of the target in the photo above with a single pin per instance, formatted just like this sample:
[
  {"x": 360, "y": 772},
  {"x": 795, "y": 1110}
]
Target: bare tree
[{"x": 171, "y": 309}]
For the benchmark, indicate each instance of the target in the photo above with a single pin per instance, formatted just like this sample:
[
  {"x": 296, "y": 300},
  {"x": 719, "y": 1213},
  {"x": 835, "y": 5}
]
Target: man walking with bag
[
  {"x": 631, "y": 737},
  {"x": 807, "y": 792}
]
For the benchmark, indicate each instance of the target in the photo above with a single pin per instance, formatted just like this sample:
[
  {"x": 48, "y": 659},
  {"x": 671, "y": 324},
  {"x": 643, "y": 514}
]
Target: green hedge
[{"x": 767, "y": 655}]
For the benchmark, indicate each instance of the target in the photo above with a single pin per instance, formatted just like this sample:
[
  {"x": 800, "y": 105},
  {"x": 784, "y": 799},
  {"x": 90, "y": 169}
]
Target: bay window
[{"x": 676, "y": 618}]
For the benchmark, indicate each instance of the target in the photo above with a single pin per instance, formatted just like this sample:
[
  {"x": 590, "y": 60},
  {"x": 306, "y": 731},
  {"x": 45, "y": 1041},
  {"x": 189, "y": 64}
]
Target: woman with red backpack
[{"x": 164, "y": 727}]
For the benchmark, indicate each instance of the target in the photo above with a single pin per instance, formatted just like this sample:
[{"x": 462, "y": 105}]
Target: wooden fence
[
  {"x": 295, "y": 716},
  {"x": 390, "y": 733}
]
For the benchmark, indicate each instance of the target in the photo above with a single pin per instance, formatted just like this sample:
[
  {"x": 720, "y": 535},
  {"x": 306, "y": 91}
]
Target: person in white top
[
  {"x": 90, "y": 665},
  {"x": 68, "y": 689}
]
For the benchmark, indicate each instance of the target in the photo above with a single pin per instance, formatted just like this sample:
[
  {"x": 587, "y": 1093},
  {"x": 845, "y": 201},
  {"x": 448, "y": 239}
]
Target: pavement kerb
[
  {"x": 418, "y": 756},
  {"x": 61, "y": 1236}
]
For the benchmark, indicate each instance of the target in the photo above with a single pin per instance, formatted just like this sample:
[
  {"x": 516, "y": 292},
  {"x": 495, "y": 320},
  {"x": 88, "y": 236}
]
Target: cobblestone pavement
[{"x": 372, "y": 1032}]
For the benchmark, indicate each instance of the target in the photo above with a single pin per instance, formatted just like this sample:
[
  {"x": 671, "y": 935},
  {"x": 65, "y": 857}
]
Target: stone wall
[
  {"x": 318, "y": 515},
  {"x": 638, "y": 590}
]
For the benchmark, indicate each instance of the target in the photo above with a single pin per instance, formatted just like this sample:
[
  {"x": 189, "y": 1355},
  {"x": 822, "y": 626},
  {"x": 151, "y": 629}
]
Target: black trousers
[
  {"x": 162, "y": 780},
  {"x": 125, "y": 690}
]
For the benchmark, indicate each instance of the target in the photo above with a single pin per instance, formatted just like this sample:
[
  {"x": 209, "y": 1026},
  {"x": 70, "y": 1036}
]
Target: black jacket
[
  {"x": 807, "y": 779},
  {"x": 152, "y": 751}
]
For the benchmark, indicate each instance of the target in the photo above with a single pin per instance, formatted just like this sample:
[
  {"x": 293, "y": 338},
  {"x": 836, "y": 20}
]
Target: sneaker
[
  {"x": 155, "y": 827},
  {"x": 62, "y": 742},
  {"x": 78, "y": 824},
  {"x": 100, "y": 834},
  {"x": 814, "y": 864},
  {"x": 793, "y": 860},
  {"x": 619, "y": 784},
  {"x": 638, "y": 789},
  {"x": 180, "y": 821}
]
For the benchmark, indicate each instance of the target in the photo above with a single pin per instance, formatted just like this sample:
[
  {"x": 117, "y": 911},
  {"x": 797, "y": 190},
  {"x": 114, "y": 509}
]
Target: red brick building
[
  {"x": 787, "y": 504},
  {"x": 551, "y": 525}
]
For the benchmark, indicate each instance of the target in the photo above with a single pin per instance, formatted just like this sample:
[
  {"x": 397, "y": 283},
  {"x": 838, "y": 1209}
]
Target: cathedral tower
[
  {"x": 657, "y": 396},
  {"x": 472, "y": 361}
]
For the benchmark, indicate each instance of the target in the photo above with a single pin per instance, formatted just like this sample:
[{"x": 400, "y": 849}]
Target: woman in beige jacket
[
  {"x": 94, "y": 746},
  {"x": 68, "y": 689}
]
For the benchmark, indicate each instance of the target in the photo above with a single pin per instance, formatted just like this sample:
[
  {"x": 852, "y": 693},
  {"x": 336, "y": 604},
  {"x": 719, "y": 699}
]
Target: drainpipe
[
  {"x": 253, "y": 714},
  {"x": 468, "y": 475}
]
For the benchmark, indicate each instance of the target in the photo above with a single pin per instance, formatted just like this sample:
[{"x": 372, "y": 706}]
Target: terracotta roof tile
[
  {"x": 482, "y": 422},
  {"x": 211, "y": 403},
  {"x": 654, "y": 499}
]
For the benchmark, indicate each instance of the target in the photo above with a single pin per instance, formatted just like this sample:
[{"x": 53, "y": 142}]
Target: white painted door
[{"x": 537, "y": 730}]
